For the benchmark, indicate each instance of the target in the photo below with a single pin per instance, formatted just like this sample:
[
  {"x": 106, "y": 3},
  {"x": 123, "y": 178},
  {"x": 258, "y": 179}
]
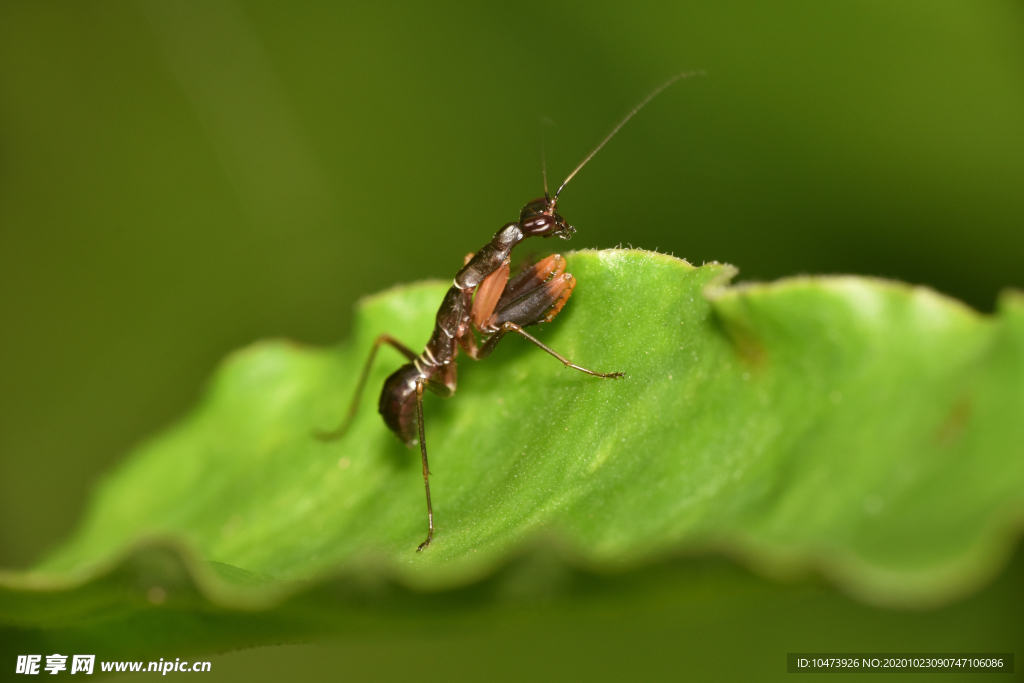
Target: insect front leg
[
  {"x": 480, "y": 301},
  {"x": 488, "y": 293},
  {"x": 361, "y": 384},
  {"x": 496, "y": 291},
  {"x": 535, "y": 296},
  {"x": 532, "y": 277}
]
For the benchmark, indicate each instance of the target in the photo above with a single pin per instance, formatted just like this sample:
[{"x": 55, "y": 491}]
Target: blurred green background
[{"x": 178, "y": 179}]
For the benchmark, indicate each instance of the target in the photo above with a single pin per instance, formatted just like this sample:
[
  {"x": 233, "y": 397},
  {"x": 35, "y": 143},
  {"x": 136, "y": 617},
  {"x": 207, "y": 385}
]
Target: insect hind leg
[
  {"x": 361, "y": 385},
  {"x": 426, "y": 466}
]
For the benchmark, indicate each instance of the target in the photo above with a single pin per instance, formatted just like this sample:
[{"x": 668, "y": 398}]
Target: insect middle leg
[
  {"x": 361, "y": 384},
  {"x": 509, "y": 326}
]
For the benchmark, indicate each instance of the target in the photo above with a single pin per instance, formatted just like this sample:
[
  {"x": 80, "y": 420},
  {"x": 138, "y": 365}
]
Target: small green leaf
[{"x": 866, "y": 429}]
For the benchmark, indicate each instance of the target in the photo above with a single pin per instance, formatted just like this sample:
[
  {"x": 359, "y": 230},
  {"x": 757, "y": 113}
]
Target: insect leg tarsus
[
  {"x": 426, "y": 467},
  {"x": 354, "y": 405}
]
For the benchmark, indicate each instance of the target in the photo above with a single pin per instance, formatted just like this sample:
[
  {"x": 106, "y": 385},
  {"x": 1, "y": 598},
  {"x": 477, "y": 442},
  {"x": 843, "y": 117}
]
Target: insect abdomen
[{"x": 398, "y": 403}]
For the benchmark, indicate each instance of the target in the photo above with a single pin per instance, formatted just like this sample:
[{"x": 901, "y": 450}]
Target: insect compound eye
[
  {"x": 538, "y": 207},
  {"x": 539, "y": 226}
]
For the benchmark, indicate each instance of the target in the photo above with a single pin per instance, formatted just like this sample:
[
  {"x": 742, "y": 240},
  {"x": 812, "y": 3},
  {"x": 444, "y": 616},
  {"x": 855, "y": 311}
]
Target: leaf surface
[{"x": 866, "y": 429}]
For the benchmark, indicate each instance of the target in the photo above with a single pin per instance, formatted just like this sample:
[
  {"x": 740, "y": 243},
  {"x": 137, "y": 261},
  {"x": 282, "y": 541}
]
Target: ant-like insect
[{"x": 482, "y": 298}]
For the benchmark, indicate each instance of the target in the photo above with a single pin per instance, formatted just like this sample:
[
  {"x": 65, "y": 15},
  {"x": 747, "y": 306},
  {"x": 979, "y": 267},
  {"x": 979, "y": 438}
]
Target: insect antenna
[
  {"x": 621, "y": 123},
  {"x": 544, "y": 123}
]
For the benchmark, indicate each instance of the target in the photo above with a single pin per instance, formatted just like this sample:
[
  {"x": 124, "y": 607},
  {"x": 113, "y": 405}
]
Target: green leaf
[{"x": 865, "y": 429}]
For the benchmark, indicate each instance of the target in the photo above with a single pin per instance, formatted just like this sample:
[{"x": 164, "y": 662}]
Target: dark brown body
[{"x": 481, "y": 301}]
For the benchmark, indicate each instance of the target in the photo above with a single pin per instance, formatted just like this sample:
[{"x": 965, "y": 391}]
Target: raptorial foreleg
[
  {"x": 540, "y": 294},
  {"x": 536, "y": 294}
]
